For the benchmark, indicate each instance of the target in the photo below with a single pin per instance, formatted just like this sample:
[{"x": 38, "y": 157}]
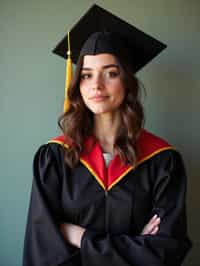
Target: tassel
[{"x": 68, "y": 77}]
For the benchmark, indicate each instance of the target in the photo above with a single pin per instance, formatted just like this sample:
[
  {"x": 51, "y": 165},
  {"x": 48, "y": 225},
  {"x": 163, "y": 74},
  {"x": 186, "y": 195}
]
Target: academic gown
[{"x": 112, "y": 203}]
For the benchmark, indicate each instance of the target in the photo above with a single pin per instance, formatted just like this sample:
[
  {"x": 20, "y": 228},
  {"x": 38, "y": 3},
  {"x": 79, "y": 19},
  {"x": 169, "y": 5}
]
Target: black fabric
[
  {"x": 101, "y": 31},
  {"x": 113, "y": 220}
]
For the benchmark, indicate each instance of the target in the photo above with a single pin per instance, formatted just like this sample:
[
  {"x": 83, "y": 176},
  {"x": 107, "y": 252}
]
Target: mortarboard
[{"x": 99, "y": 31}]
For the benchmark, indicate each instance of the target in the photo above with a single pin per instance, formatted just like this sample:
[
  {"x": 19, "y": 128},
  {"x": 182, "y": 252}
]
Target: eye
[
  {"x": 112, "y": 73},
  {"x": 86, "y": 76}
]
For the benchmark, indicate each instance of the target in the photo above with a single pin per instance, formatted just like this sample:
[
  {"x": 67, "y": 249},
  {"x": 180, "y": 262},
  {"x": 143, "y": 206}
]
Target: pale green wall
[{"x": 31, "y": 91}]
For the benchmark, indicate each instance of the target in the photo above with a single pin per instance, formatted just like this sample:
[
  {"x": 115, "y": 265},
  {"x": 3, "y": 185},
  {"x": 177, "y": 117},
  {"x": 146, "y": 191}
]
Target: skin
[
  {"x": 102, "y": 90},
  {"x": 101, "y": 77}
]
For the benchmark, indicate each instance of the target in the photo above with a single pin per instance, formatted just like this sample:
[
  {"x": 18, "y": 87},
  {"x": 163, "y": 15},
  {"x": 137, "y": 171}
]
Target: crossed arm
[{"x": 73, "y": 233}]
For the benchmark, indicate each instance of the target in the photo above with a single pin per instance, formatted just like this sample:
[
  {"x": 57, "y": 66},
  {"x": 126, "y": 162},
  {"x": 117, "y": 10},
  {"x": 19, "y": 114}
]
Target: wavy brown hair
[{"x": 78, "y": 123}]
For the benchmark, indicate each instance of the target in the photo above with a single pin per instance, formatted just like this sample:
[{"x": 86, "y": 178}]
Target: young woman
[
  {"x": 107, "y": 191},
  {"x": 103, "y": 94}
]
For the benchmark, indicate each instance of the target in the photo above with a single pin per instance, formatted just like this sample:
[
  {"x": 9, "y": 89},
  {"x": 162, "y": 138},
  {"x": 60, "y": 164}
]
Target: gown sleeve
[
  {"x": 44, "y": 244},
  {"x": 171, "y": 243}
]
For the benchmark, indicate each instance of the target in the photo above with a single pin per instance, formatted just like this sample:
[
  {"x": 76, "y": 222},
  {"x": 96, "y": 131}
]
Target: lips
[{"x": 99, "y": 98}]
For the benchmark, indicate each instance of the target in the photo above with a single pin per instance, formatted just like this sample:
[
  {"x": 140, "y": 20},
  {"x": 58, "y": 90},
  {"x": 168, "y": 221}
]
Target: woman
[
  {"x": 106, "y": 192},
  {"x": 103, "y": 93}
]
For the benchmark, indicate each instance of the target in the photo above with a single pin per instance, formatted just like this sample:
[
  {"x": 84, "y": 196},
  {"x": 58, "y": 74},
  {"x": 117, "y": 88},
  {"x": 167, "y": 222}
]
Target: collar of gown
[{"x": 92, "y": 158}]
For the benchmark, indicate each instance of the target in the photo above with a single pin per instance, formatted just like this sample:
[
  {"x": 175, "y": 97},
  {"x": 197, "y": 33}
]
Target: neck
[{"x": 106, "y": 126}]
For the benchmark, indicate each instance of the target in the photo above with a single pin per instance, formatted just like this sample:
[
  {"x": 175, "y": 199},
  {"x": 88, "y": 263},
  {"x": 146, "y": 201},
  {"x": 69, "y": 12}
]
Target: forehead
[{"x": 98, "y": 61}]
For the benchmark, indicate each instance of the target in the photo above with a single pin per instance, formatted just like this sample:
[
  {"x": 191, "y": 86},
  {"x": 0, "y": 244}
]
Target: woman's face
[{"x": 101, "y": 84}]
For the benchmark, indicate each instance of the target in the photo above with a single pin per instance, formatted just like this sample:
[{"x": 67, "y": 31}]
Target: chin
[{"x": 98, "y": 111}]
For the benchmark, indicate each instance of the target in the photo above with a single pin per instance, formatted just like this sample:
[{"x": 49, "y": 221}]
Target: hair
[{"x": 78, "y": 122}]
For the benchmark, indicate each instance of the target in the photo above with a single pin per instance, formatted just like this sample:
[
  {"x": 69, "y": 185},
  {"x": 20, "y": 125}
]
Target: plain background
[{"x": 32, "y": 88}]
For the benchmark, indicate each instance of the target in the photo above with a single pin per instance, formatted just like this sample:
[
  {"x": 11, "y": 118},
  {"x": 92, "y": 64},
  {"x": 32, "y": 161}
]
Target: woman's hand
[
  {"x": 72, "y": 233},
  {"x": 152, "y": 226}
]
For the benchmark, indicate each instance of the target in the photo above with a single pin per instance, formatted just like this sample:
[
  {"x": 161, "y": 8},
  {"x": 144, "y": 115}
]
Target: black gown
[{"x": 113, "y": 204}]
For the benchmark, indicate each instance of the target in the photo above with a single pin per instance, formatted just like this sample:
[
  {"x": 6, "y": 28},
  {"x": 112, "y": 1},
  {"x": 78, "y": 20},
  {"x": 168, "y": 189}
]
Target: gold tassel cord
[{"x": 68, "y": 76}]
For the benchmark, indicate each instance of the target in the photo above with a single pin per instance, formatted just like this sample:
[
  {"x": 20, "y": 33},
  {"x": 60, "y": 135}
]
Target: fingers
[
  {"x": 154, "y": 218},
  {"x": 155, "y": 230},
  {"x": 152, "y": 226}
]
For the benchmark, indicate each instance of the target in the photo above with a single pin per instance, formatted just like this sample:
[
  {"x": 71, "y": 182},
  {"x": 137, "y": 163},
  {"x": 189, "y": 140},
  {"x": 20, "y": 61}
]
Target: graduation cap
[{"x": 99, "y": 31}]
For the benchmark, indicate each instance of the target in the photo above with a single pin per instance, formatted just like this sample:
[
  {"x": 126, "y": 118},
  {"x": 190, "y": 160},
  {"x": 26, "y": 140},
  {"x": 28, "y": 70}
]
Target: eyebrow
[{"x": 104, "y": 67}]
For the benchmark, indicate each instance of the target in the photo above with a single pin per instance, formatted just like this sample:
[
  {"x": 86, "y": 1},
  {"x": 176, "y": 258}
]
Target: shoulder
[
  {"x": 61, "y": 140},
  {"x": 51, "y": 151},
  {"x": 156, "y": 148},
  {"x": 151, "y": 141},
  {"x": 49, "y": 161},
  {"x": 164, "y": 161},
  {"x": 149, "y": 145}
]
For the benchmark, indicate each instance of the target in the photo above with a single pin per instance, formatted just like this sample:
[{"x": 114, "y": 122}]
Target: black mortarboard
[
  {"x": 112, "y": 35},
  {"x": 99, "y": 31}
]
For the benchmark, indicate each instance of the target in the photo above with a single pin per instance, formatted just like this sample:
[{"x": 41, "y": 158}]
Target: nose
[{"x": 98, "y": 82}]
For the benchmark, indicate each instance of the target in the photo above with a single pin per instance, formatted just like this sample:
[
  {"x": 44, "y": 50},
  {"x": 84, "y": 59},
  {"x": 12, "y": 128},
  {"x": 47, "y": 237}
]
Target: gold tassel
[{"x": 68, "y": 76}]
